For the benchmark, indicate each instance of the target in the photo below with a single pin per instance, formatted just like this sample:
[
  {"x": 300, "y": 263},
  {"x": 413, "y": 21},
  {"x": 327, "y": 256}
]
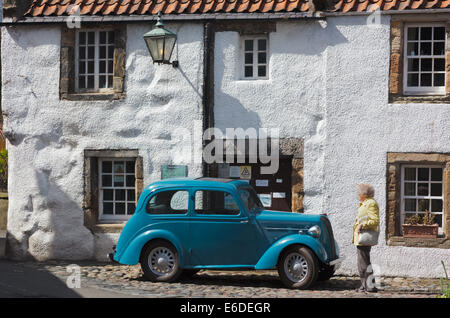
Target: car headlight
[{"x": 314, "y": 231}]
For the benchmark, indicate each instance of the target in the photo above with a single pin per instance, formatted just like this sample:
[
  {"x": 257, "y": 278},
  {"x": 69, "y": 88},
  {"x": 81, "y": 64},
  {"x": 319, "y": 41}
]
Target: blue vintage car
[{"x": 183, "y": 225}]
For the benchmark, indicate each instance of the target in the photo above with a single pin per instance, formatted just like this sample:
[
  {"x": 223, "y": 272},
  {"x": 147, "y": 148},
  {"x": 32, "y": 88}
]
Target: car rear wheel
[
  {"x": 159, "y": 262},
  {"x": 298, "y": 267}
]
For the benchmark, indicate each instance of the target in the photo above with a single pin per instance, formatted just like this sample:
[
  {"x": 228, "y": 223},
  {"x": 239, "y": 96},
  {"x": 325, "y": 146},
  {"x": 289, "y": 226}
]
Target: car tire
[
  {"x": 298, "y": 267},
  {"x": 326, "y": 273},
  {"x": 159, "y": 262}
]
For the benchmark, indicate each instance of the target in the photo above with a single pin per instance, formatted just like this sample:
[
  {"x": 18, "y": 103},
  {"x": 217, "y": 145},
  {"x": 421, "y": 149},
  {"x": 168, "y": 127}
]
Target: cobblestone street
[{"x": 129, "y": 281}]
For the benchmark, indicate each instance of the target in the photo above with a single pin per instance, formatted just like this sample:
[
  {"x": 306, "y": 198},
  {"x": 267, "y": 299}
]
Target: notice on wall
[
  {"x": 235, "y": 172},
  {"x": 279, "y": 180},
  {"x": 173, "y": 171},
  {"x": 262, "y": 183},
  {"x": 246, "y": 172},
  {"x": 279, "y": 195},
  {"x": 266, "y": 200}
]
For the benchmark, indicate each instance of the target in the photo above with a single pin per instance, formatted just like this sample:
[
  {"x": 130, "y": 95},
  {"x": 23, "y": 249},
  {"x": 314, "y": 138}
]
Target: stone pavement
[{"x": 129, "y": 281}]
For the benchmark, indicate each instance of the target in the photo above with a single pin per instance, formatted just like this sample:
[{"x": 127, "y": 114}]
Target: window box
[{"x": 420, "y": 230}]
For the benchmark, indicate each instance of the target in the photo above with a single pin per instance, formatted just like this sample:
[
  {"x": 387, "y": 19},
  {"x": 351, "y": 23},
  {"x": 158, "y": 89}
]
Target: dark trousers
[{"x": 363, "y": 264}]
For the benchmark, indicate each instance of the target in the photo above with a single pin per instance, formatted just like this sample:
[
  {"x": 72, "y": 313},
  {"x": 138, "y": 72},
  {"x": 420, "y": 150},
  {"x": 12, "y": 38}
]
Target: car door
[{"x": 221, "y": 232}]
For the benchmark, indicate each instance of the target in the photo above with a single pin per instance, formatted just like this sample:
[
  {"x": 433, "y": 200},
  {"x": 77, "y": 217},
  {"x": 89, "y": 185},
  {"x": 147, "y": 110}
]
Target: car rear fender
[
  {"x": 132, "y": 253},
  {"x": 269, "y": 259}
]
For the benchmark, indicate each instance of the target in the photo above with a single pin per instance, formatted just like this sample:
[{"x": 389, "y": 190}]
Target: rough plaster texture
[
  {"x": 47, "y": 136},
  {"x": 328, "y": 84}
]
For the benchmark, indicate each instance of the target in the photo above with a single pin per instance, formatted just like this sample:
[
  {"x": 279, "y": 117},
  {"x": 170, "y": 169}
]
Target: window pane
[
  {"x": 106, "y": 180},
  {"x": 120, "y": 208},
  {"x": 179, "y": 201},
  {"x": 262, "y": 57},
  {"x": 410, "y": 188},
  {"x": 110, "y": 81},
  {"x": 262, "y": 71},
  {"x": 425, "y": 33},
  {"x": 110, "y": 52},
  {"x": 413, "y": 34},
  {"x": 82, "y": 82},
  {"x": 410, "y": 174},
  {"x": 130, "y": 166},
  {"x": 423, "y": 204},
  {"x": 119, "y": 167},
  {"x": 82, "y": 67},
  {"x": 436, "y": 174},
  {"x": 130, "y": 208},
  {"x": 102, "y": 81},
  {"x": 130, "y": 180},
  {"x": 422, "y": 189},
  {"x": 425, "y": 48},
  {"x": 413, "y": 80},
  {"x": 91, "y": 67},
  {"x": 91, "y": 52},
  {"x": 111, "y": 37},
  {"x": 90, "y": 81},
  {"x": 215, "y": 203},
  {"x": 102, "y": 67},
  {"x": 436, "y": 189},
  {"x": 438, "y": 219},
  {"x": 248, "y": 45},
  {"x": 82, "y": 38},
  {"x": 168, "y": 202},
  {"x": 120, "y": 195},
  {"x": 82, "y": 52},
  {"x": 107, "y": 208},
  {"x": 425, "y": 79},
  {"x": 91, "y": 37},
  {"x": 102, "y": 52},
  {"x": 119, "y": 181},
  {"x": 110, "y": 67},
  {"x": 439, "y": 65},
  {"x": 413, "y": 49},
  {"x": 423, "y": 174},
  {"x": 439, "y": 79},
  {"x": 262, "y": 45},
  {"x": 131, "y": 195},
  {"x": 436, "y": 205},
  {"x": 438, "y": 48},
  {"x": 248, "y": 71},
  {"x": 426, "y": 65},
  {"x": 102, "y": 37},
  {"x": 248, "y": 58},
  {"x": 439, "y": 33},
  {"x": 108, "y": 195},
  {"x": 413, "y": 65},
  {"x": 410, "y": 205}
]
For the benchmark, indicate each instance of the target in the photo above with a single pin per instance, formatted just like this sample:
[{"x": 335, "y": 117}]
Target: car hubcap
[
  {"x": 161, "y": 261},
  {"x": 296, "y": 267}
]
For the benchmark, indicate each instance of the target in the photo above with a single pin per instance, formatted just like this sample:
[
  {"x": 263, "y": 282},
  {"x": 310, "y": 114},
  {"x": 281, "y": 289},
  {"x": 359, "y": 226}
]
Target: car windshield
[{"x": 250, "y": 198}]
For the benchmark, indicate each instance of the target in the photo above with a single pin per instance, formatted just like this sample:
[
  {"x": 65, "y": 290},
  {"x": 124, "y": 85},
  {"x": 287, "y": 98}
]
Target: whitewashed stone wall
[{"x": 47, "y": 136}]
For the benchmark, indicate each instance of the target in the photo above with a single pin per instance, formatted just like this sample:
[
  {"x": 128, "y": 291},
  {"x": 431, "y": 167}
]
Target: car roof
[{"x": 197, "y": 182}]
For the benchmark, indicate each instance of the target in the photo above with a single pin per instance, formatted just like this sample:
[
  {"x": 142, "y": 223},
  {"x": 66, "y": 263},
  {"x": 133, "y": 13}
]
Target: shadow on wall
[{"x": 57, "y": 231}]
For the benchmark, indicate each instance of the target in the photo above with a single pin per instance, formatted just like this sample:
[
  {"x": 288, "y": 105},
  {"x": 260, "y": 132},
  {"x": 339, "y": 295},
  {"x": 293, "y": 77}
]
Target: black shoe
[
  {"x": 373, "y": 290},
  {"x": 360, "y": 290}
]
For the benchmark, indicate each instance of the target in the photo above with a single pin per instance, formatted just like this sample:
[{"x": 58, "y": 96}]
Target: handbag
[{"x": 368, "y": 237}]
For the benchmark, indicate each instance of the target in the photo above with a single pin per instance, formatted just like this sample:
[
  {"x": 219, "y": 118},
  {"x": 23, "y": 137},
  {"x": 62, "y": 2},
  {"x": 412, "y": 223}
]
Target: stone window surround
[
  {"x": 394, "y": 164},
  {"x": 396, "y": 70},
  {"x": 91, "y": 187},
  {"x": 67, "y": 65}
]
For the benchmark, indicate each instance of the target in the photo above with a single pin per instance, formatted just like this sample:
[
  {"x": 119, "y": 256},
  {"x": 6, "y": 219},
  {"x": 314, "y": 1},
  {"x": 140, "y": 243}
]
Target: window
[
  {"x": 215, "y": 203},
  {"x": 168, "y": 202},
  {"x": 94, "y": 61},
  {"x": 422, "y": 189},
  {"x": 255, "y": 50},
  {"x": 424, "y": 59},
  {"x": 250, "y": 198},
  {"x": 117, "y": 191}
]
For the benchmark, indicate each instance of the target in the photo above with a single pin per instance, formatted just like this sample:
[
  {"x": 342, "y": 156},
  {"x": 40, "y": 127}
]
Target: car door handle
[{"x": 244, "y": 221}]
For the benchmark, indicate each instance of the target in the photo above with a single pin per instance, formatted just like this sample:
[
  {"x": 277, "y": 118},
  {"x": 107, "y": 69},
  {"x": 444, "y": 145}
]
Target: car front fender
[
  {"x": 269, "y": 259},
  {"x": 132, "y": 253}
]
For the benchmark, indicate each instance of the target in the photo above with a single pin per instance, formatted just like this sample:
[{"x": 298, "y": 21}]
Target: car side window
[
  {"x": 169, "y": 202},
  {"x": 210, "y": 202}
]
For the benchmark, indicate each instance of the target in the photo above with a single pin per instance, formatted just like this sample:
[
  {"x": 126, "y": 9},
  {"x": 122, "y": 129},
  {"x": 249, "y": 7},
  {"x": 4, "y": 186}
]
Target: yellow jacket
[{"x": 368, "y": 215}]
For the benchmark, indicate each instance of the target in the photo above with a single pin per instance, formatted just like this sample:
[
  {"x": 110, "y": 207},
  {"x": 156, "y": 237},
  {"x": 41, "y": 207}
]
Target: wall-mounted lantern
[{"x": 160, "y": 43}]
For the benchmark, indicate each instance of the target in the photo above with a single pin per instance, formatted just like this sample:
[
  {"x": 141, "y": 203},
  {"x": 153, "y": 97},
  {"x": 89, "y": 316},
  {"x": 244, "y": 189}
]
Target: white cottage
[{"x": 358, "y": 91}]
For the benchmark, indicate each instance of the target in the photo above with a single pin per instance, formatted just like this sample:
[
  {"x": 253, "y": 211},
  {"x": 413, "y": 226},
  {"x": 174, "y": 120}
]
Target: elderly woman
[{"x": 368, "y": 218}]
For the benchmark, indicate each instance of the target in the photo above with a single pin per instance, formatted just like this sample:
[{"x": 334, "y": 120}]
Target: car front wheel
[
  {"x": 298, "y": 267},
  {"x": 159, "y": 262}
]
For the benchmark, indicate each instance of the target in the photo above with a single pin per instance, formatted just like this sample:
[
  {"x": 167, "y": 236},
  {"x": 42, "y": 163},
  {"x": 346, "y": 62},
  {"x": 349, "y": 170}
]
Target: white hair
[{"x": 366, "y": 190}]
